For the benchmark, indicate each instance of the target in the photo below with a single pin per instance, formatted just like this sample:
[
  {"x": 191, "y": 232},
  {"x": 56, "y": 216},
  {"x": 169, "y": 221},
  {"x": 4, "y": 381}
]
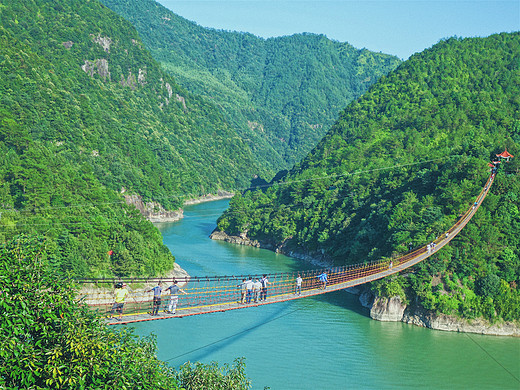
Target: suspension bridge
[{"x": 210, "y": 294}]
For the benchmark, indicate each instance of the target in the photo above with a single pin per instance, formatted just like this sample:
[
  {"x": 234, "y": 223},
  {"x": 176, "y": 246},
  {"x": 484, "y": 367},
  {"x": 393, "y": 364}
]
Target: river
[{"x": 324, "y": 342}]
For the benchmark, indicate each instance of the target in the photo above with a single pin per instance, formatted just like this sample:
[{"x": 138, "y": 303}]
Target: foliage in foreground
[
  {"x": 199, "y": 376},
  {"x": 50, "y": 341}
]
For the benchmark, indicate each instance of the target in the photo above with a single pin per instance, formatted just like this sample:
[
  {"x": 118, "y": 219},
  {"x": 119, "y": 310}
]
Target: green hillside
[
  {"x": 398, "y": 168},
  {"x": 280, "y": 94},
  {"x": 86, "y": 113}
]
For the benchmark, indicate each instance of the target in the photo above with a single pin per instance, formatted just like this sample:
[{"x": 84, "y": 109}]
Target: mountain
[
  {"x": 87, "y": 116},
  {"x": 280, "y": 94},
  {"x": 398, "y": 168}
]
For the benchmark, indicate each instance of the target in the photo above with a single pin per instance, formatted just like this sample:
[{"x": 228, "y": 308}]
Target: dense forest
[
  {"x": 88, "y": 118},
  {"x": 86, "y": 114},
  {"x": 399, "y": 167},
  {"x": 280, "y": 94}
]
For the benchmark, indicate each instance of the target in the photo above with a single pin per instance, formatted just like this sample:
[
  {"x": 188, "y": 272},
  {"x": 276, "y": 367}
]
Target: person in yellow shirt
[{"x": 120, "y": 294}]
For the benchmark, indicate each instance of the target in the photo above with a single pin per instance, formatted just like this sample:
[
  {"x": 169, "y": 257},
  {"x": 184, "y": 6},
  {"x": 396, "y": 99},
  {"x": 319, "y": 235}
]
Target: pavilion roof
[{"x": 505, "y": 154}]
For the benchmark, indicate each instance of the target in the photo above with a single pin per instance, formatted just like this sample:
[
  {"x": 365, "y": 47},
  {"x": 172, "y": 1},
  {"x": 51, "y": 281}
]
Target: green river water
[{"x": 325, "y": 342}]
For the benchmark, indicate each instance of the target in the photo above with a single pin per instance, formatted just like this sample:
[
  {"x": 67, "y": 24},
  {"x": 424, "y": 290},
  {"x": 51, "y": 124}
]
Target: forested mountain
[
  {"x": 280, "y": 94},
  {"x": 400, "y": 166},
  {"x": 86, "y": 113}
]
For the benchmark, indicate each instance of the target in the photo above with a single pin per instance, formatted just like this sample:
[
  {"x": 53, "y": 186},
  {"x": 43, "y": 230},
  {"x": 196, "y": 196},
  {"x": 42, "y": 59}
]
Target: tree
[{"x": 488, "y": 286}]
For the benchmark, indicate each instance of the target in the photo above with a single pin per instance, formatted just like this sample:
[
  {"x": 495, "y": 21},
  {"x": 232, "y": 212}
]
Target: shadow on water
[
  {"x": 216, "y": 346},
  {"x": 344, "y": 300}
]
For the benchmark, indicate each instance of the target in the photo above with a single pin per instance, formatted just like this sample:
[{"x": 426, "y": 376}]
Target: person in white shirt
[
  {"x": 249, "y": 289},
  {"x": 174, "y": 297},
  {"x": 256, "y": 289},
  {"x": 299, "y": 281},
  {"x": 243, "y": 291}
]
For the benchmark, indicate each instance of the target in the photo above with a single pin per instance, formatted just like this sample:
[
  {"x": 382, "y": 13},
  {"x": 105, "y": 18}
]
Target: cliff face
[
  {"x": 393, "y": 309},
  {"x": 153, "y": 211},
  {"x": 387, "y": 309}
]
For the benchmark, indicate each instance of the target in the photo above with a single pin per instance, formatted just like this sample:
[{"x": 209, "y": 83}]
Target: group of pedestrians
[
  {"x": 157, "y": 297},
  {"x": 253, "y": 290},
  {"x": 121, "y": 292}
]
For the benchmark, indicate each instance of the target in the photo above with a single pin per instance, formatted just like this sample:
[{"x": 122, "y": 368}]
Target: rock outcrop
[
  {"x": 153, "y": 211},
  {"x": 394, "y": 309},
  {"x": 99, "y": 66},
  {"x": 387, "y": 309},
  {"x": 237, "y": 240},
  {"x": 421, "y": 317}
]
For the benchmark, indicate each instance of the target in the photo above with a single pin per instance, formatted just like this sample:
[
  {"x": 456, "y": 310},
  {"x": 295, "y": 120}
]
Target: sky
[{"x": 395, "y": 27}]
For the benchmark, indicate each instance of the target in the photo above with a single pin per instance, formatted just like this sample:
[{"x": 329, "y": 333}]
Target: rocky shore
[
  {"x": 210, "y": 197},
  {"x": 387, "y": 309},
  {"x": 318, "y": 259},
  {"x": 155, "y": 213},
  {"x": 393, "y": 309}
]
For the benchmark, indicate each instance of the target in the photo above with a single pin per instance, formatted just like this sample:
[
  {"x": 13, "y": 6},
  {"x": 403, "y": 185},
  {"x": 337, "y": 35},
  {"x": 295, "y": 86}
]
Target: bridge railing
[{"x": 211, "y": 293}]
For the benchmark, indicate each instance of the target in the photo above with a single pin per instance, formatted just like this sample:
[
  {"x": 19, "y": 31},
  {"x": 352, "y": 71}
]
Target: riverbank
[
  {"x": 210, "y": 198},
  {"x": 156, "y": 213},
  {"x": 395, "y": 310},
  {"x": 387, "y": 309},
  {"x": 318, "y": 259}
]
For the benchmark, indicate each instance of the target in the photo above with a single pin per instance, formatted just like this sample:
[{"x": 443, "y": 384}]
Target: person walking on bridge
[
  {"x": 243, "y": 290},
  {"x": 157, "y": 291},
  {"x": 299, "y": 281},
  {"x": 120, "y": 294},
  {"x": 174, "y": 297},
  {"x": 265, "y": 282},
  {"x": 249, "y": 288},
  {"x": 323, "y": 279},
  {"x": 257, "y": 286}
]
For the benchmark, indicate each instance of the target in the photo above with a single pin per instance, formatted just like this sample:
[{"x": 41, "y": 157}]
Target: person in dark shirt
[
  {"x": 323, "y": 279},
  {"x": 157, "y": 291},
  {"x": 263, "y": 292}
]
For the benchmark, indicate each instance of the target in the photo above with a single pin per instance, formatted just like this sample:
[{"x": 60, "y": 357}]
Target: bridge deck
[{"x": 221, "y": 293}]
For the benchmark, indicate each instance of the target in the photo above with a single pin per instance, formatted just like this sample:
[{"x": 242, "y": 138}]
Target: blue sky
[{"x": 394, "y": 27}]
